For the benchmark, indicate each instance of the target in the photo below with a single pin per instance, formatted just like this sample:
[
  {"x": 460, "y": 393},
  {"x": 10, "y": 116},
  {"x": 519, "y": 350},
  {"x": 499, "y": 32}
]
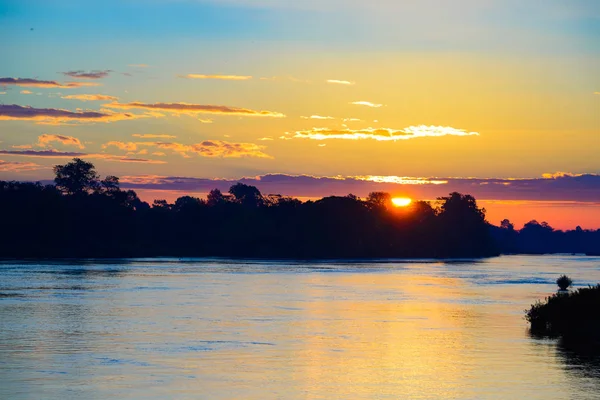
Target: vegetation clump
[
  {"x": 574, "y": 315},
  {"x": 564, "y": 282}
]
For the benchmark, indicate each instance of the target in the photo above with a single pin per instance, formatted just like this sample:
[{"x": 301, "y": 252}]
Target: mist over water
[{"x": 222, "y": 329}]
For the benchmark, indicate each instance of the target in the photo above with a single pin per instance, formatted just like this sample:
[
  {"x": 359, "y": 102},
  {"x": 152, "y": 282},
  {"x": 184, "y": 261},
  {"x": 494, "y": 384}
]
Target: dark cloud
[
  {"x": 585, "y": 188},
  {"x": 54, "y": 116},
  {"x": 88, "y": 75},
  {"x": 28, "y": 82},
  {"x": 42, "y": 153},
  {"x": 70, "y": 154},
  {"x": 193, "y": 109}
]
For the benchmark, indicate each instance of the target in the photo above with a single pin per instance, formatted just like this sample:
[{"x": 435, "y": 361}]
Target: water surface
[{"x": 230, "y": 329}]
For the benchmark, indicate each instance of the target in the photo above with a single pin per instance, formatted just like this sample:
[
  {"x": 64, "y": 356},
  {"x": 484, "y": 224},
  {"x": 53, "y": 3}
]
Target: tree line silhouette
[{"x": 82, "y": 215}]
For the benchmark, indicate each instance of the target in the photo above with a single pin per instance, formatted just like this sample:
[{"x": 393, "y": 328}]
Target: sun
[{"x": 401, "y": 201}]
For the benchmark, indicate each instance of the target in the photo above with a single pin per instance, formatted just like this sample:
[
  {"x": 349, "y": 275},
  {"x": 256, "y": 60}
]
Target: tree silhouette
[
  {"x": 110, "y": 184},
  {"x": 84, "y": 217},
  {"x": 246, "y": 195},
  {"x": 380, "y": 200},
  {"x": 506, "y": 224},
  {"x": 462, "y": 226},
  {"x": 76, "y": 177},
  {"x": 215, "y": 197}
]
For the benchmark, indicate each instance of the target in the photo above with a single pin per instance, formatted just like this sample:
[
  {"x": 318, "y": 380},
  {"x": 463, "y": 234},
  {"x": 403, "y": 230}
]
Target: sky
[{"x": 496, "y": 98}]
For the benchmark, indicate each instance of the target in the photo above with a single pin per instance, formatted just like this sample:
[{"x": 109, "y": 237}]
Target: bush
[
  {"x": 572, "y": 315},
  {"x": 564, "y": 282}
]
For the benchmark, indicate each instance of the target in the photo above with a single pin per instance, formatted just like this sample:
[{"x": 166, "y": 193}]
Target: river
[{"x": 232, "y": 329}]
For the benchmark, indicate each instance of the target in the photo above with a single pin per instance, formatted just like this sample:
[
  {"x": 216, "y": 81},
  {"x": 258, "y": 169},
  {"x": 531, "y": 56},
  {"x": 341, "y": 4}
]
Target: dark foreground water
[{"x": 222, "y": 329}]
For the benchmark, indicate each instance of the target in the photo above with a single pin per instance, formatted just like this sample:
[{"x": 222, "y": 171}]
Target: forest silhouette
[{"x": 82, "y": 216}]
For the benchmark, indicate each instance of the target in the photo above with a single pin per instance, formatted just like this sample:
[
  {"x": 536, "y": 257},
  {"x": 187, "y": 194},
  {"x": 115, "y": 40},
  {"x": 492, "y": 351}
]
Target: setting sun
[{"x": 401, "y": 201}]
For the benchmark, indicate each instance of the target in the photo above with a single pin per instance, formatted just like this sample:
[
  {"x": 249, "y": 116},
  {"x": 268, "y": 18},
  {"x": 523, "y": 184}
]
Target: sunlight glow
[{"x": 401, "y": 201}]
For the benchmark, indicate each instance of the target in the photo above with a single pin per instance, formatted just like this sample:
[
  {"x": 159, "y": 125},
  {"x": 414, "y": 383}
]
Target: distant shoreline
[{"x": 190, "y": 259}]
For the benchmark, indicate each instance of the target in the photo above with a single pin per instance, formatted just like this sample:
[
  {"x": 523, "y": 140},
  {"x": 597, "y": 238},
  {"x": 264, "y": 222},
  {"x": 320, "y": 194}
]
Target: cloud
[
  {"x": 45, "y": 139},
  {"x": 27, "y": 82},
  {"x": 126, "y": 146},
  {"x": 134, "y": 160},
  {"x": 338, "y": 82},
  {"x": 583, "y": 188},
  {"x": 192, "y": 109},
  {"x": 207, "y": 148},
  {"x": 219, "y": 77},
  {"x": 596, "y": 92},
  {"x": 88, "y": 75},
  {"x": 559, "y": 174},
  {"x": 381, "y": 134},
  {"x": 317, "y": 117},
  {"x": 26, "y": 92},
  {"x": 138, "y": 65},
  {"x": 43, "y": 153},
  {"x": 266, "y": 139},
  {"x": 400, "y": 180},
  {"x": 90, "y": 97},
  {"x": 351, "y": 120},
  {"x": 159, "y": 154},
  {"x": 152, "y": 136},
  {"x": 71, "y": 154},
  {"x": 216, "y": 148},
  {"x": 366, "y": 103},
  {"x": 54, "y": 116},
  {"x": 16, "y": 166},
  {"x": 22, "y": 146}
]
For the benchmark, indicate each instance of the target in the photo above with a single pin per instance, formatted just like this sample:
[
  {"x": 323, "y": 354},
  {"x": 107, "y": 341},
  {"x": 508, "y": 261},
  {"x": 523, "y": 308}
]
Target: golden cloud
[
  {"x": 220, "y": 77},
  {"x": 90, "y": 97},
  {"x": 381, "y": 134},
  {"x": 216, "y": 148},
  {"x": 16, "y": 166},
  {"x": 207, "y": 148},
  {"x": 367, "y": 103},
  {"x": 338, "y": 82},
  {"x": 127, "y": 146},
  {"x": 317, "y": 117},
  {"x": 560, "y": 175},
  {"x": 45, "y": 139},
  {"x": 401, "y": 180}
]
